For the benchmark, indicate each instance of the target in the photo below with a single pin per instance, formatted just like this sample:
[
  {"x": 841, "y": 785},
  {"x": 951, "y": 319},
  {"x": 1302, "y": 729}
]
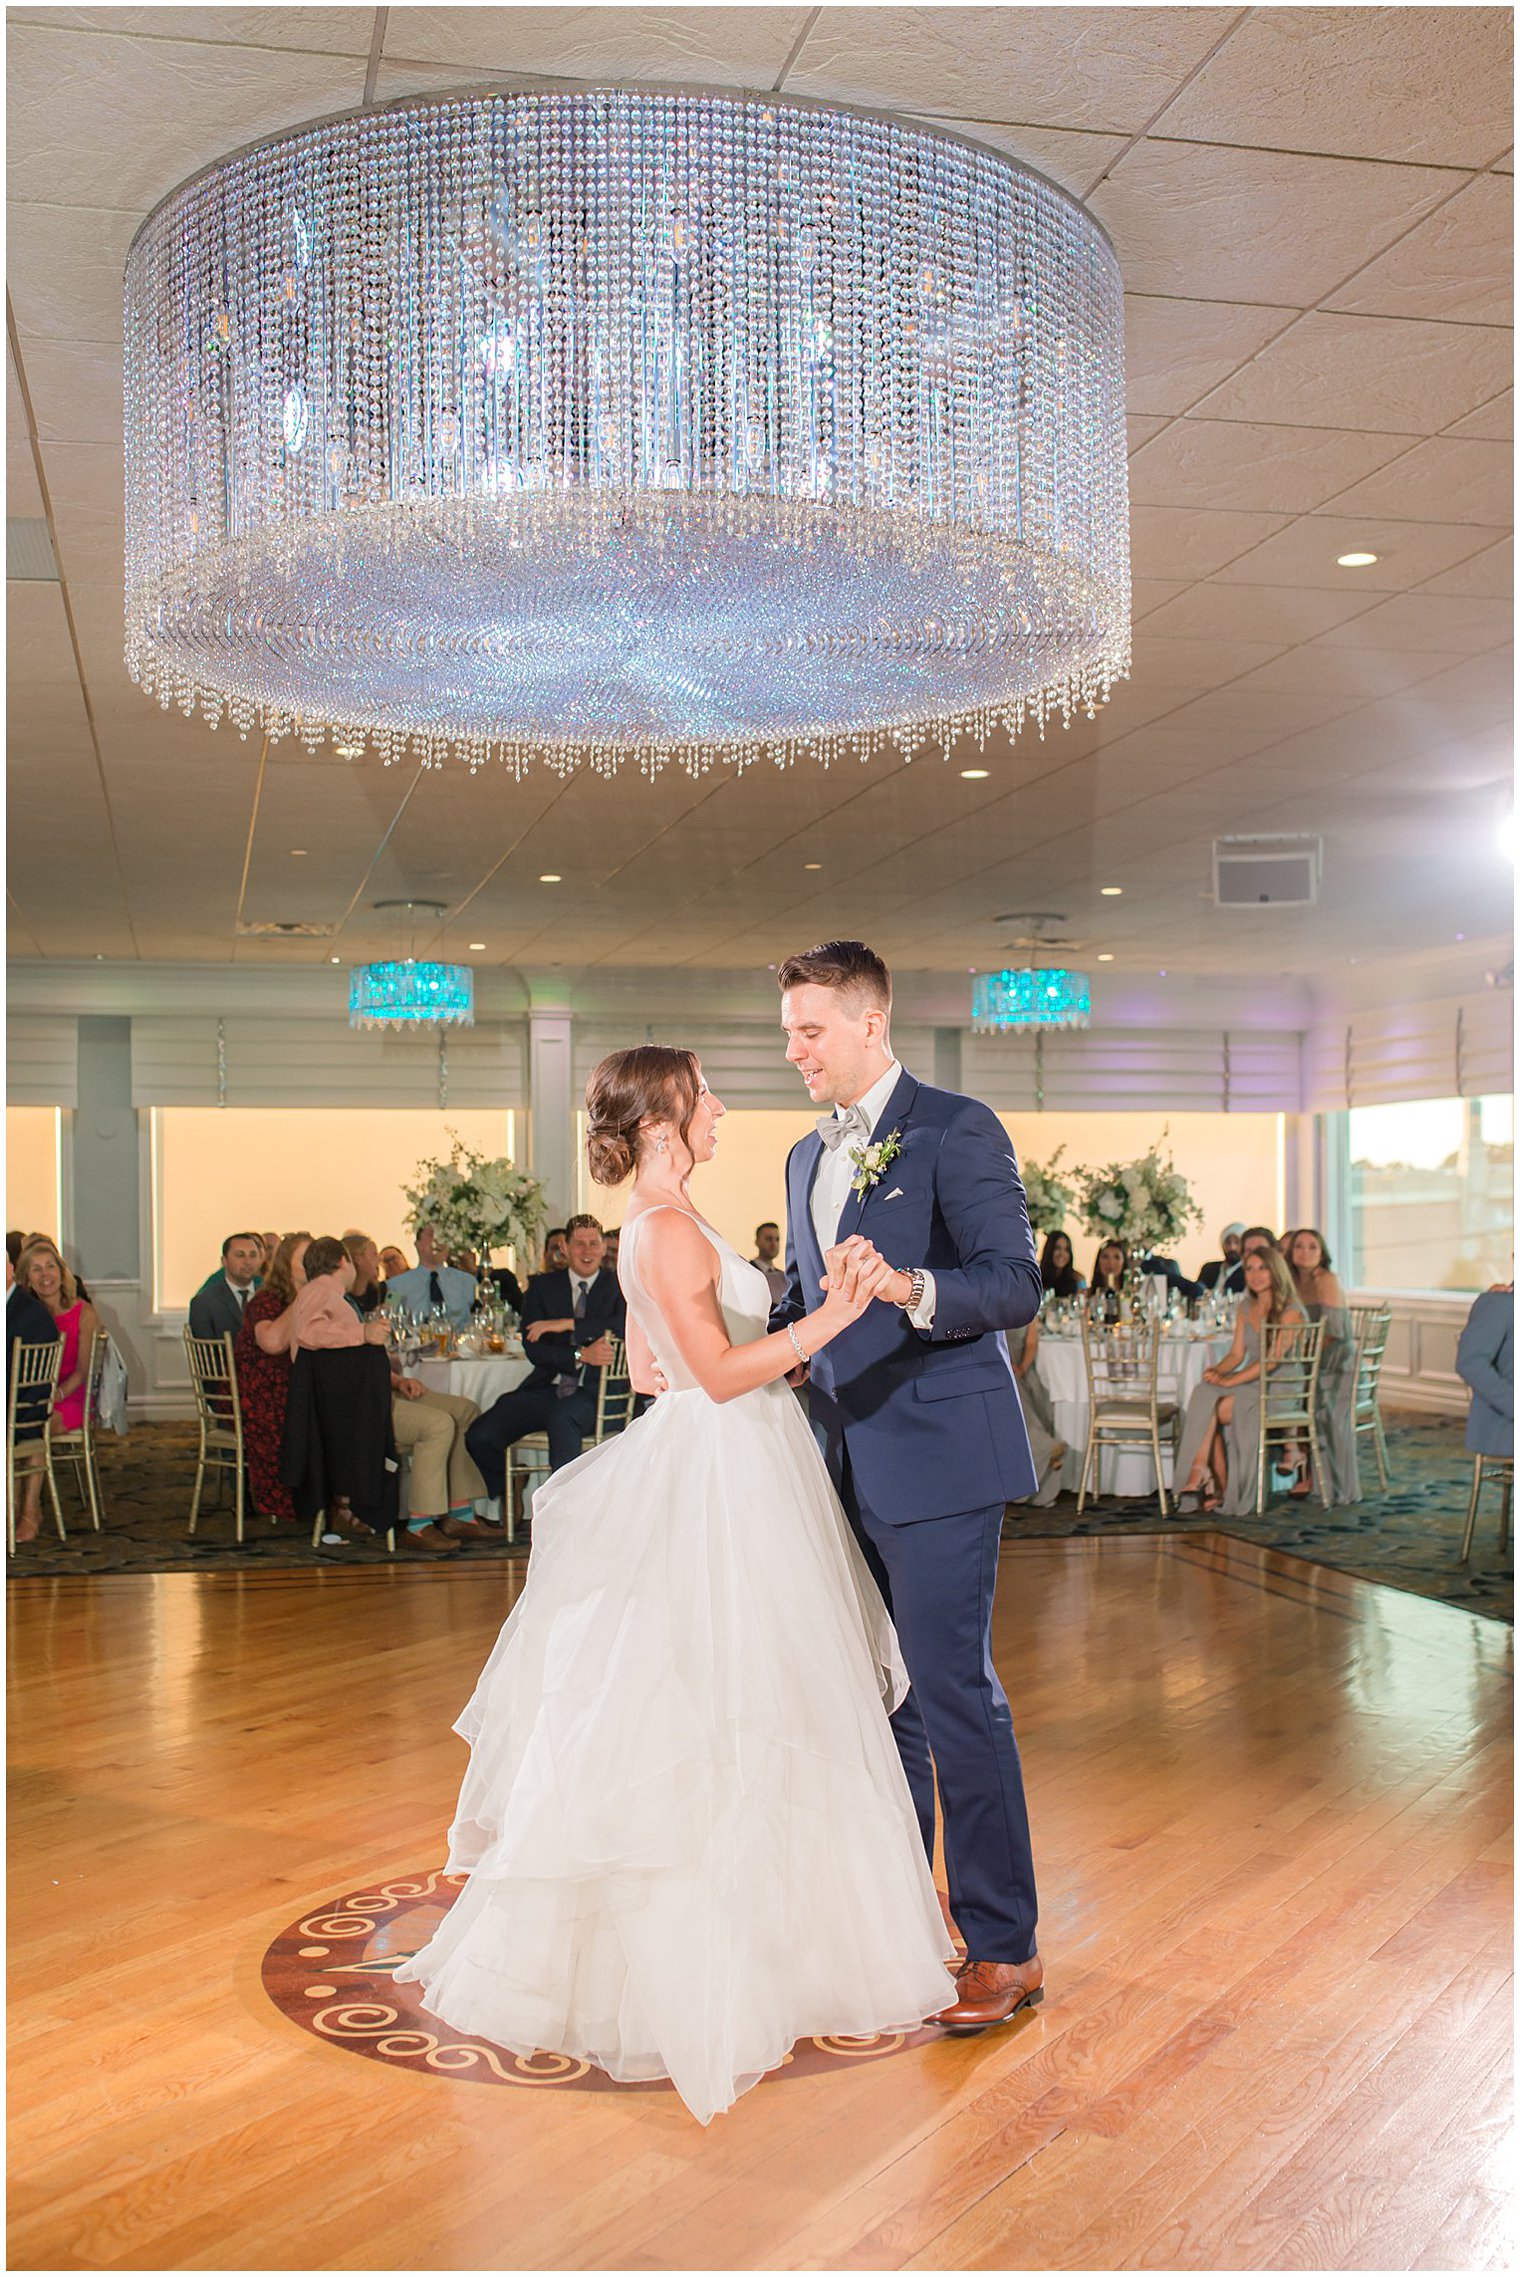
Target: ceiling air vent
[
  {"x": 29, "y": 551},
  {"x": 277, "y": 929},
  {"x": 1266, "y": 873}
]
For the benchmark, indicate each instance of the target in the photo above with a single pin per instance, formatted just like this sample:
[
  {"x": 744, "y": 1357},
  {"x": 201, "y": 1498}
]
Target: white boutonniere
[{"x": 871, "y": 1161}]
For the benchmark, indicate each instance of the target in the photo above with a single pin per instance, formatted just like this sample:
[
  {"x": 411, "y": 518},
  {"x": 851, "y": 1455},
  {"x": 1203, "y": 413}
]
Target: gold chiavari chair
[
  {"x": 1289, "y": 1383},
  {"x": 78, "y": 1447},
  {"x": 1372, "y": 1325},
  {"x": 1124, "y": 1409},
  {"x": 34, "y": 1386},
  {"x": 219, "y": 1412}
]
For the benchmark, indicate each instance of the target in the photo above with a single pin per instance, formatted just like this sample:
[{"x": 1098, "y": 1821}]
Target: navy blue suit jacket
[{"x": 930, "y": 1418}]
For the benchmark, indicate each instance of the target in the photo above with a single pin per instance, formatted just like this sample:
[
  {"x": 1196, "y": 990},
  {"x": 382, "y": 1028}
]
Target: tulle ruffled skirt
[{"x": 688, "y": 1833}]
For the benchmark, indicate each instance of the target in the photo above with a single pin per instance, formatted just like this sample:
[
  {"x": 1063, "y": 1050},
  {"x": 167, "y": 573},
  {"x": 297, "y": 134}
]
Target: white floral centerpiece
[
  {"x": 1050, "y": 1197},
  {"x": 1145, "y": 1204},
  {"x": 478, "y": 1202}
]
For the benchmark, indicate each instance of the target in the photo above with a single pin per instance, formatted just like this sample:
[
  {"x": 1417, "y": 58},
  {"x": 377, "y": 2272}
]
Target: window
[
  {"x": 33, "y": 1163},
  {"x": 1432, "y": 1193},
  {"x": 219, "y": 1170}
]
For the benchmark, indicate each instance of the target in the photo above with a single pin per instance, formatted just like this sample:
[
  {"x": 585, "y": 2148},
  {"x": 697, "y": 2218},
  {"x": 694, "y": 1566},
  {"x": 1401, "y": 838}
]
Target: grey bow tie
[{"x": 835, "y": 1129}]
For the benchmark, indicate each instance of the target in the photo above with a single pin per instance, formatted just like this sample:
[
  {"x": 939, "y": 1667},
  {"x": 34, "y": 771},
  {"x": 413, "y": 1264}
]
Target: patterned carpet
[{"x": 1408, "y": 1538}]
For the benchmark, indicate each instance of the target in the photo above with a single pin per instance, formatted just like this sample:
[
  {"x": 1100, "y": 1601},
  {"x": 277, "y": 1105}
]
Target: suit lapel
[
  {"x": 893, "y": 1116},
  {"x": 810, "y": 1256}
]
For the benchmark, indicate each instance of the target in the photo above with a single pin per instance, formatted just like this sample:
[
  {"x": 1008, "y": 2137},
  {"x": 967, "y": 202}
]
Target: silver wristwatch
[{"x": 915, "y": 1296}]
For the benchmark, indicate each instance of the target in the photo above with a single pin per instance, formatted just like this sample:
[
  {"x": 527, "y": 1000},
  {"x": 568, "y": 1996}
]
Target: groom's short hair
[{"x": 849, "y": 966}]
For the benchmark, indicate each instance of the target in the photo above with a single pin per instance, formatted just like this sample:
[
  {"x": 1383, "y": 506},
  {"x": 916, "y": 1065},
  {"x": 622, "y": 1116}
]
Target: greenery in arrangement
[
  {"x": 1146, "y": 1204},
  {"x": 478, "y": 1202},
  {"x": 1051, "y": 1197}
]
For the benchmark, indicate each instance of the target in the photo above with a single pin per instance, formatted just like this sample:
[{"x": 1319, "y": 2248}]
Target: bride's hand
[{"x": 858, "y": 1268}]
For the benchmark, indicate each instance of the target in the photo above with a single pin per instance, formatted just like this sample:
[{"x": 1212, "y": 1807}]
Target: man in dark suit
[
  {"x": 913, "y": 1195},
  {"x": 1219, "y": 1268},
  {"x": 568, "y": 1320},
  {"x": 27, "y": 1321},
  {"x": 218, "y": 1305}
]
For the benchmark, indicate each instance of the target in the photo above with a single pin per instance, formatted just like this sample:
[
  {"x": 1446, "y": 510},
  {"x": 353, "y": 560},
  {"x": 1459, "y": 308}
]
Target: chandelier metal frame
[{"x": 653, "y": 423}]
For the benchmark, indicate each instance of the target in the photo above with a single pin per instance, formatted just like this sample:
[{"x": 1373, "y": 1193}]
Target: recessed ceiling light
[
  {"x": 812, "y": 865},
  {"x": 335, "y": 960},
  {"x": 1105, "y": 956},
  {"x": 1355, "y": 560},
  {"x": 549, "y": 877},
  {"x": 477, "y": 944},
  {"x": 975, "y": 774},
  {"x": 1111, "y": 890},
  {"x": 296, "y": 850}
]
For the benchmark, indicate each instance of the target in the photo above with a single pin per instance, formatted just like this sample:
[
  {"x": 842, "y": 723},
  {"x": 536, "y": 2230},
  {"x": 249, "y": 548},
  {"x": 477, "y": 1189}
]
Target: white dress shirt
[{"x": 836, "y": 1176}]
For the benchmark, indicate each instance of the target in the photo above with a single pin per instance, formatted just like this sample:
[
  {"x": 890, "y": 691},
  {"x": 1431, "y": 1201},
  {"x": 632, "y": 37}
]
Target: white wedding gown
[{"x": 688, "y": 1833}]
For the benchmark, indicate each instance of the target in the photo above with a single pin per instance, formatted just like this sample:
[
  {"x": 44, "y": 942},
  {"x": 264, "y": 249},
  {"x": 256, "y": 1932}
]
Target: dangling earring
[{"x": 662, "y": 1146}]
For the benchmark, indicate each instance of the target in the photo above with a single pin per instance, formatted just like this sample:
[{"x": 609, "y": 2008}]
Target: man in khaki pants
[{"x": 430, "y": 1428}]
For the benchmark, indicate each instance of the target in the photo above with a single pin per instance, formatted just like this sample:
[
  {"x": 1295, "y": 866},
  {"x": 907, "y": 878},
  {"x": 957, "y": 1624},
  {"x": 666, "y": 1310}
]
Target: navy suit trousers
[
  {"x": 937, "y": 1578},
  {"x": 536, "y": 1407}
]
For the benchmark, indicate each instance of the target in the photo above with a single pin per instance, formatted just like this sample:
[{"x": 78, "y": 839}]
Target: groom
[{"x": 913, "y": 1195}]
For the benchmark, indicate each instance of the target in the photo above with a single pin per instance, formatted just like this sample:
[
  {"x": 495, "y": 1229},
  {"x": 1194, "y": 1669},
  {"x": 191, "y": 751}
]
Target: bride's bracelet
[{"x": 801, "y": 1350}]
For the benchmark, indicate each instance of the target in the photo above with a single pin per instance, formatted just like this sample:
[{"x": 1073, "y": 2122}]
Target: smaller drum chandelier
[
  {"x": 624, "y": 424},
  {"x": 410, "y": 991},
  {"x": 1018, "y": 1002}
]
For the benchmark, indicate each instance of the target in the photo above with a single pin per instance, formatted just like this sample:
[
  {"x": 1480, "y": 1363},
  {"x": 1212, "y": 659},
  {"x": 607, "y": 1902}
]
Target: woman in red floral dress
[{"x": 263, "y": 1379}]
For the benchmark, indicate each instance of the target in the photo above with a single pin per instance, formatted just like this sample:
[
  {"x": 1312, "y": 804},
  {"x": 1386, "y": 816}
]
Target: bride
[{"x": 687, "y": 1830}]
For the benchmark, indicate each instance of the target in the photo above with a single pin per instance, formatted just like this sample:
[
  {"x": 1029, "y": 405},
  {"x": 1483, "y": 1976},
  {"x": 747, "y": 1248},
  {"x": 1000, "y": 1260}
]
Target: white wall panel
[
  {"x": 41, "y": 1060},
  {"x": 309, "y": 1063}
]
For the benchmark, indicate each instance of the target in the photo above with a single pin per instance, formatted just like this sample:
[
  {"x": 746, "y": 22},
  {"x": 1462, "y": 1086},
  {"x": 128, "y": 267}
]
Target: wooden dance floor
[{"x": 1271, "y": 1810}]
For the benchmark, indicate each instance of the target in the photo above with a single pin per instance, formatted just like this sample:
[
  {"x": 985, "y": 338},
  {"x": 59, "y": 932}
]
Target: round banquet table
[
  {"x": 483, "y": 1380},
  {"x": 1064, "y": 1375}
]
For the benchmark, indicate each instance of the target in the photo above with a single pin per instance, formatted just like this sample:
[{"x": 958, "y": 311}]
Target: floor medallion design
[{"x": 332, "y": 1973}]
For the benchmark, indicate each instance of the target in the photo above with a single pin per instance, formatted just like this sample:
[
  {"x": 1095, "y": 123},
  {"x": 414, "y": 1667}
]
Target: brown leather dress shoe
[
  {"x": 992, "y": 1992},
  {"x": 467, "y": 1530},
  {"x": 431, "y": 1540}
]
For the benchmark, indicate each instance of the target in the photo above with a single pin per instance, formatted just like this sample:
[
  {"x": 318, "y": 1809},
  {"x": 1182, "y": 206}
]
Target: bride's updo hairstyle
[{"x": 650, "y": 1083}]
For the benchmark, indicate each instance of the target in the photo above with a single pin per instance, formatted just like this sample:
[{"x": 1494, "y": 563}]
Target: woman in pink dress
[{"x": 41, "y": 1269}]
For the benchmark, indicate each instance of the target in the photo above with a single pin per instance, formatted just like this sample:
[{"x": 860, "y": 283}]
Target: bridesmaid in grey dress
[
  {"x": 1323, "y": 1298},
  {"x": 1216, "y": 1460},
  {"x": 1048, "y": 1451}
]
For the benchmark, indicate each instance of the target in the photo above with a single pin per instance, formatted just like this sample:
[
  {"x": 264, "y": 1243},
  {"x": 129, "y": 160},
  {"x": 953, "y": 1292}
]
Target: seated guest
[
  {"x": 1109, "y": 1268},
  {"x": 44, "y": 1275},
  {"x": 1058, "y": 1268},
  {"x": 1254, "y": 1237},
  {"x": 1048, "y": 1452},
  {"x": 556, "y": 1250},
  {"x": 368, "y": 1292},
  {"x": 392, "y": 1262},
  {"x": 767, "y": 1250},
  {"x": 430, "y": 1426},
  {"x": 27, "y": 1321},
  {"x": 433, "y": 1282},
  {"x": 218, "y": 1305},
  {"x": 1221, "y": 1432},
  {"x": 1486, "y": 1364},
  {"x": 263, "y": 1378},
  {"x": 508, "y": 1287},
  {"x": 1217, "y": 1268},
  {"x": 1323, "y": 1298},
  {"x": 569, "y": 1318},
  {"x": 320, "y": 1321}
]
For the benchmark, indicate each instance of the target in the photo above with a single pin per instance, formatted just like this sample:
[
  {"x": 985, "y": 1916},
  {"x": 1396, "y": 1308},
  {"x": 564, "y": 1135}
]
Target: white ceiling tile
[
  {"x": 1105, "y": 68},
  {"x": 1485, "y": 576},
  {"x": 1277, "y": 613},
  {"x": 1162, "y": 661},
  {"x": 65, "y": 266},
  {"x": 1176, "y": 350},
  {"x": 84, "y": 482},
  {"x": 1147, "y": 593},
  {"x": 1493, "y": 421},
  {"x": 1185, "y": 542},
  {"x": 319, "y": 31},
  {"x": 1264, "y": 469},
  {"x": 731, "y": 47},
  {"x": 221, "y": 97},
  {"x": 1072, "y": 159},
  {"x": 1458, "y": 265},
  {"x": 1432, "y": 84},
  {"x": 22, "y": 496},
  {"x": 1356, "y": 675},
  {"x": 1139, "y": 429},
  {"x": 1428, "y": 621},
  {"x": 1307, "y": 553},
  {"x": 1440, "y": 480},
  {"x": 1254, "y": 225},
  {"x": 76, "y": 392},
  {"x": 1381, "y": 372}
]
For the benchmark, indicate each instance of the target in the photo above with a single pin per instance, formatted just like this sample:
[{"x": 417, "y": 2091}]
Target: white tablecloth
[
  {"x": 482, "y": 1380},
  {"x": 1059, "y": 1361}
]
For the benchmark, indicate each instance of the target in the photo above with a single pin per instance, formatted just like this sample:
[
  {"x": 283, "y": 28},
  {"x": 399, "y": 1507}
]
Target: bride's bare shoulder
[{"x": 672, "y": 1239}]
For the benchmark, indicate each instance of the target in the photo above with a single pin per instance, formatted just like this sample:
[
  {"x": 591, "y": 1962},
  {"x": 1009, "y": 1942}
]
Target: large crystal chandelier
[{"x": 624, "y": 424}]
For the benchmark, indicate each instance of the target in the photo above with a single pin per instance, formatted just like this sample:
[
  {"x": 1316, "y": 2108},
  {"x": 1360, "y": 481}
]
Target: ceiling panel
[{"x": 1270, "y": 688}]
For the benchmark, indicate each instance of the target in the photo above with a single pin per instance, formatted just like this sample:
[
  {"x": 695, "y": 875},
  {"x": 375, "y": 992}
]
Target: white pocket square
[{"x": 894, "y": 1196}]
